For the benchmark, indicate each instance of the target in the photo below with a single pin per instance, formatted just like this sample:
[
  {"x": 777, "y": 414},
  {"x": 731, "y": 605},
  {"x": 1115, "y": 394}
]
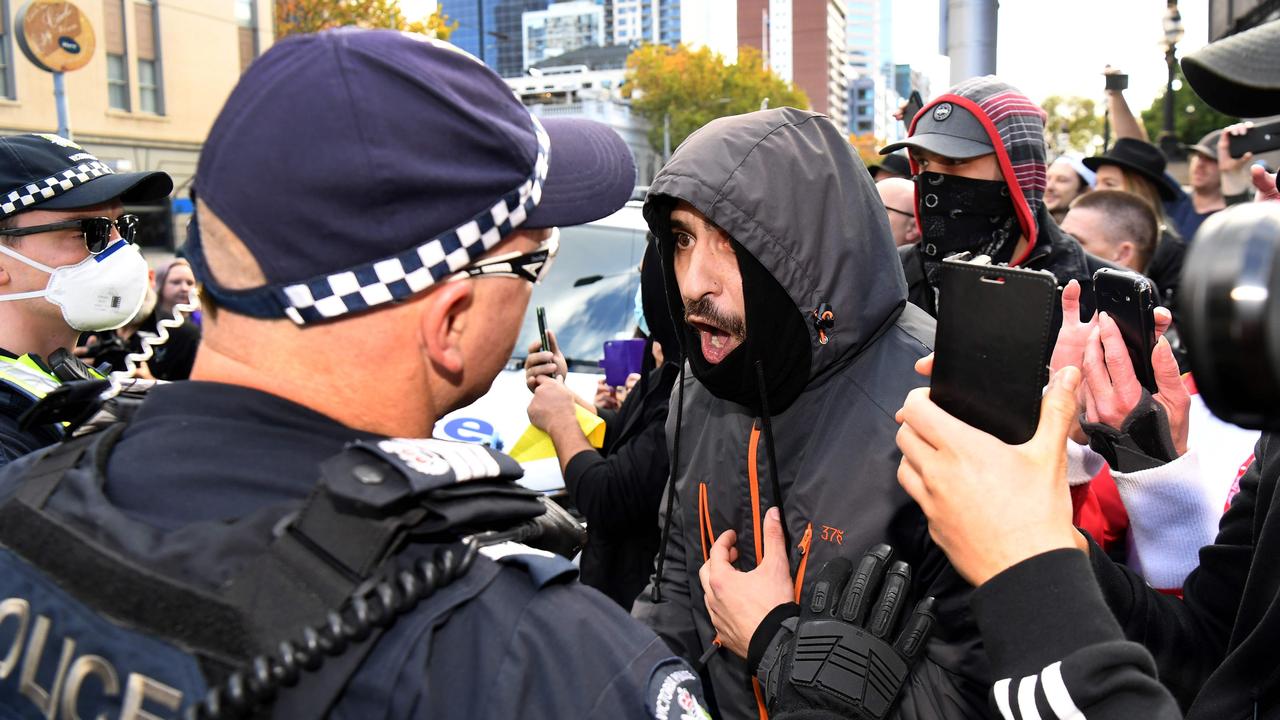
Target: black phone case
[
  {"x": 1128, "y": 298},
  {"x": 913, "y": 107},
  {"x": 994, "y": 330},
  {"x": 1259, "y": 138},
  {"x": 1117, "y": 81},
  {"x": 541, "y": 313}
]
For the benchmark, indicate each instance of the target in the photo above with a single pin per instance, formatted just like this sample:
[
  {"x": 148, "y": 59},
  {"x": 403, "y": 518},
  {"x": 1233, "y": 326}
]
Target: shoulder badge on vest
[{"x": 675, "y": 693}]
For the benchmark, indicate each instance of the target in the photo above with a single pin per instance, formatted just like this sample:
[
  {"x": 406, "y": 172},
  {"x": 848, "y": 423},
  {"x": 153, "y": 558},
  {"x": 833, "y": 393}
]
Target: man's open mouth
[{"x": 717, "y": 342}]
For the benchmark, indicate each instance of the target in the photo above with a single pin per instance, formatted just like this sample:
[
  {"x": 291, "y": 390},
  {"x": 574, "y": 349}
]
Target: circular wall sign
[{"x": 55, "y": 35}]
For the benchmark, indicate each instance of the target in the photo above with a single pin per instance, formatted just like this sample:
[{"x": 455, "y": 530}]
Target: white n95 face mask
[{"x": 101, "y": 292}]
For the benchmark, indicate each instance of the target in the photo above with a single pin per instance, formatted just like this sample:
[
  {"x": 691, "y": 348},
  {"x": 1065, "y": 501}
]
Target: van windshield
[{"x": 589, "y": 293}]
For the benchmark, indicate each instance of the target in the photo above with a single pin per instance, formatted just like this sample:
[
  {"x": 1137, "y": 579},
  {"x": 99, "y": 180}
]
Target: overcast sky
[{"x": 1059, "y": 48}]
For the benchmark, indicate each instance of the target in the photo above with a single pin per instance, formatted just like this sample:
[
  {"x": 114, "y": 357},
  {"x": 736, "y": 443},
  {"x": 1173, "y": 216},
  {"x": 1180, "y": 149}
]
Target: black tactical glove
[
  {"x": 1144, "y": 440},
  {"x": 841, "y": 657}
]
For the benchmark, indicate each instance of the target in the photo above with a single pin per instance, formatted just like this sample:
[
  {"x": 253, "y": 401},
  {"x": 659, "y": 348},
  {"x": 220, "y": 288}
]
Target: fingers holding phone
[
  {"x": 1173, "y": 395},
  {"x": 970, "y": 484},
  {"x": 544, "y": 362},
  {"x": 1112, "y": 390}
]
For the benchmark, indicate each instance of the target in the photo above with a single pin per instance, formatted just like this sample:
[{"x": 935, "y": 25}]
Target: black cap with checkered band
[{"x": 52, "y": 173}]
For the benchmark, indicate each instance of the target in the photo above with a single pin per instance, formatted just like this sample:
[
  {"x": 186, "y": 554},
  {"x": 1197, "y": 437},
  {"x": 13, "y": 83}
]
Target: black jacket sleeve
[
  {"x": 622, "y": 491},
  {"x": 1057, "y": 650},
  {"x": 15, "y": 443},
  {"x": 1188, "y": 637}
]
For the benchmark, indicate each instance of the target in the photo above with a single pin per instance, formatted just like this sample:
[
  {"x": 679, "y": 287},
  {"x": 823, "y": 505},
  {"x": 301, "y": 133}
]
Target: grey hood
[{"x": 786, "y": 185}]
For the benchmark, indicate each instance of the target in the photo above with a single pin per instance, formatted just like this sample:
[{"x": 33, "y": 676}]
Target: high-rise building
[
  {"x": 563, "y": 27},
  {"x": 626, "y": 25},
  {"x": 907, "y": 78},
  {"x": 508, "y": 17},
  {"x": 803, "y": 42},
  {"x": 643, "y": 21},
  {"x": 667, "y": 21},
  {"x": 862, "y": 18},
  {"x": 477, "y": 30},
  {"x": 875, "y": 92}
]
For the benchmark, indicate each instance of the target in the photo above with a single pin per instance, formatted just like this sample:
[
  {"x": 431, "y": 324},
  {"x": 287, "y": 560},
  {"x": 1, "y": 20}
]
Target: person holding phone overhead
[
  {"x": 979, "y": 154},
  {"x": 618, "y": 488}
]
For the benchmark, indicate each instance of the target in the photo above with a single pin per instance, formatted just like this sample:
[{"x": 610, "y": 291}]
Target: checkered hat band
[
  {"x": 36, "y": 192},
  {"x": 410, "y": 272}
]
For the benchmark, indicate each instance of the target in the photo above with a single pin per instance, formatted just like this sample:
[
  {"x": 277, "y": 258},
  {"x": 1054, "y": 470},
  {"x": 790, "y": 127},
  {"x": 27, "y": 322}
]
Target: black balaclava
[
  {"x": 959, "y": 214},
  {"x": 653, "y": 300},
  {"x": 777, "y": 337}
]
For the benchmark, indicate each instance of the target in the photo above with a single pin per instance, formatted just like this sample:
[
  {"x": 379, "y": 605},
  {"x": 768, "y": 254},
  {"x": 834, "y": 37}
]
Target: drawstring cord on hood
[
  {"x": 773, "y": 460},
  {"x": 671, "y": 488}
]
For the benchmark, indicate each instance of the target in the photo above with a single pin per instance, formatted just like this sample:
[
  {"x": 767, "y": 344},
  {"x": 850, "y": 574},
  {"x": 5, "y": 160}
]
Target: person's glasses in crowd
[
  {"x": 97, "y": 230},
  {"x": 531, "y": 266}
]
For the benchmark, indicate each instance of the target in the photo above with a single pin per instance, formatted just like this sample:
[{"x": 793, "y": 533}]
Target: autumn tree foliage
[
  {"x": 867, "y": 146},
  {"x": 306, "y": 16},
  {"x": 695, "y": 86}
]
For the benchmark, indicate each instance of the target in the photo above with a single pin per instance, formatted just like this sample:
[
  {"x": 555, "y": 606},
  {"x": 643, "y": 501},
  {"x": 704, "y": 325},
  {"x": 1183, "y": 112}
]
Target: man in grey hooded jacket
[{"x": 794, "y": 388}]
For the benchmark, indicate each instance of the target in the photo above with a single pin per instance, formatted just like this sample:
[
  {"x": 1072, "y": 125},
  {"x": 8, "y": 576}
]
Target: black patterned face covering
[{"x": 958, "y": 214}]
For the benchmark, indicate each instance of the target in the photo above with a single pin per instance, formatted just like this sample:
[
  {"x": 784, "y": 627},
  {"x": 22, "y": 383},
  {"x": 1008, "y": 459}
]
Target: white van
[{"x": 589, "y": 296}]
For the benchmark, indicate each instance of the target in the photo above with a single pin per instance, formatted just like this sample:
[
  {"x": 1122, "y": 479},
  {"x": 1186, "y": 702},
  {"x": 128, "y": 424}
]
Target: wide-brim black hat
[
  {"x": 896, "y": 163},
  {"x": 1238, "y": 75},
  {"x": 1139, "y": 157}
]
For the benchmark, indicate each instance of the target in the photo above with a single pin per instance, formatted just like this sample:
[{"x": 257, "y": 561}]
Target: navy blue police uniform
[
  {"x": 194, "y": 489},
  {"x": 216, "y": 551}
]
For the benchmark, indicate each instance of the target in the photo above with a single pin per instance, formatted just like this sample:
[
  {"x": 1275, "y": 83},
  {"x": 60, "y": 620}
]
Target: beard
[{"x": 705, "y": 309}]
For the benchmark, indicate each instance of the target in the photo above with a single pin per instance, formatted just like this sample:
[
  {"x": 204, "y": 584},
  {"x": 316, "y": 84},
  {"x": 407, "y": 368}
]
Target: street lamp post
[{"x": 1172, "y": 35}]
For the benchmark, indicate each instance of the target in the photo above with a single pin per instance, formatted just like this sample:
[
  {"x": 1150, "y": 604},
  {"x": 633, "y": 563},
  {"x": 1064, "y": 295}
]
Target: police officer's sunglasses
[
  {"x": 97, "y": 230},
  {"x": 531, "y": 266}
]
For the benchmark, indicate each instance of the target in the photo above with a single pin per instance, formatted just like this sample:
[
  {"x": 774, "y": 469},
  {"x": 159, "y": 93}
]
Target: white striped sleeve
[
  {"x": 1001, "y": 692},
  {"x": 1027, "y": 698},
  {"x": 1039, "y": 697}
]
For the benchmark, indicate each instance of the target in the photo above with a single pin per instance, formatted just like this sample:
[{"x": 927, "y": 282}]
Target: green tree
[
  {"x": 307, "y": 16},
  {"x": 1192, "y": 118},
  {"x": 1073, "y": 125},
  {"x": 695, "y": 87}
]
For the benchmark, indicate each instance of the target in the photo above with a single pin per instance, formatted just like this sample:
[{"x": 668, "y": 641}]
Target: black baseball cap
[
  {"x": 1237, "y": 74},
  {"x": 362, "y": 166},
  {"x": 948, "y": 130},
  {"x": 50, "y": 172}
]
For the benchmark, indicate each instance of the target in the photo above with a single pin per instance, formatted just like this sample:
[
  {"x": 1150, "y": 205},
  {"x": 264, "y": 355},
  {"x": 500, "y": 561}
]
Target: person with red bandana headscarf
[{"x": 978, "y": 155}]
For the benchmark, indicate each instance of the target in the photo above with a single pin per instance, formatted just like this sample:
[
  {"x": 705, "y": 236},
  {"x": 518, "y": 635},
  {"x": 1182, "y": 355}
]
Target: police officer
[
  {"x": 374, "y": 208},
  {"x": 66, "y": 266}
]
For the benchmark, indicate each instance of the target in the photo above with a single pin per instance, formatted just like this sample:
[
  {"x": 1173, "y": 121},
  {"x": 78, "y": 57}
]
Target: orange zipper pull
[{"x": 804, "y": 544}]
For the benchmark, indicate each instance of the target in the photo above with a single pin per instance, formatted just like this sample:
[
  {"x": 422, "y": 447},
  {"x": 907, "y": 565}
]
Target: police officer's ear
[{"x": 445, "y": 316}]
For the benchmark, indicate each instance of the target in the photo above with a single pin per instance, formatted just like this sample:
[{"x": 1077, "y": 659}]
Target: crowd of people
[{"x": 781, "y": 521}]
